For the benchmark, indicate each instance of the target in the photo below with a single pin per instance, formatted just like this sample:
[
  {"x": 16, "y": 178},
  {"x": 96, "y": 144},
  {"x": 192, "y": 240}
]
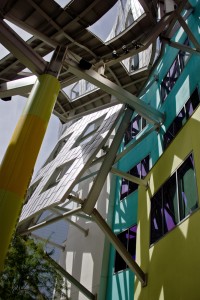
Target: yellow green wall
[{"x": 173, "y": 262}]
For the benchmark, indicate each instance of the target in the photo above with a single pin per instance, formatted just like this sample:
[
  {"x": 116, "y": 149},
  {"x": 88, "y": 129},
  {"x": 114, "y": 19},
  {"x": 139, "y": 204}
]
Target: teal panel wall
[{"x": 121, "y": 285}]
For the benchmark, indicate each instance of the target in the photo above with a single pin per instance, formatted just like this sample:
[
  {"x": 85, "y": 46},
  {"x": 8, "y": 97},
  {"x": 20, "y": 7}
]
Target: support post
[
  {"x": 148, "y": 112},
  {"x": 83, "y": 230},
  {"x": 18, "y": 163},
  {"x": 95, "y": 191},
  {"x": 51, "y": 221},
  {"x": 71, "y": 279},
  {"x": 135, "y": 143},
  {"x": 129, "y": 177},
  {"x": 120, "y": 247},
  {"x": 37, "y": 237}
]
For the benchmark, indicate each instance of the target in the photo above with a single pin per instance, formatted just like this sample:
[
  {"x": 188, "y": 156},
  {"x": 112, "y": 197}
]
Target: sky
[{"x": 10, "y": 111}]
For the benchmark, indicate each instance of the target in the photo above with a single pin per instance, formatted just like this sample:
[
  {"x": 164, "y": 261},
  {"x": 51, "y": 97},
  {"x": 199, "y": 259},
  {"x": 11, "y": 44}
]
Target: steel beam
[
  {"x": 76, "y": 214},
  {"x": 17, "y": 87},
  {"x": 129, "y": 177},
  {"x": 181, "y": 46},
  {"x": 71, "y": 116},
  {"x": 136, "y": 142},
  {"x": 119, "y": 247},
  {"x": 31, "y": 30},
  {"x": 71, "y": 279},
  {"x": 75, "y": 199},
  {"x": 21, "y": 50},
  {"x": 148, "y": 112},
  {"x": 99, "y": 180},
  {"x": 56, "y": 62},
  {"x": 83, "y": 230},
  {"x": 51, "y": 221},
  {"x": 146, "y": 40},
  {"x": 48, "y": 241},
  {"x": 188, "y": 32}
]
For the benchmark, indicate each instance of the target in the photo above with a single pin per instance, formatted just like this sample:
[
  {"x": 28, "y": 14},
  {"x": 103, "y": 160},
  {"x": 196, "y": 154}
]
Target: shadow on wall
[
  {"x": 173, "y": 262},
  {"x": 83, "y": 256}
]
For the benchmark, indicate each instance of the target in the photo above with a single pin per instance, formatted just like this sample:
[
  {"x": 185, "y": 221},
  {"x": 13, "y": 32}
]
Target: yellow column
[{"x": 18, "y": 163}]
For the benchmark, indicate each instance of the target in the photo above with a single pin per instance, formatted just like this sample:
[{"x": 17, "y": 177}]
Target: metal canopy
[{"x": 50, "y": 26}]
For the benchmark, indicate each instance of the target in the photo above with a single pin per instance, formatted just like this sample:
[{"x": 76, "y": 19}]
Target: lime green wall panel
[{"x": 172, "y": 263}]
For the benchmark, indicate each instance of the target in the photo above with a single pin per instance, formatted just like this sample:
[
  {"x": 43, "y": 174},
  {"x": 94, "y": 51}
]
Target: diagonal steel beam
[
  {"x": 119, "y": 247},
  {"x": 51, "y": 221},
  {"x": 71, "y": 279},
  {"x": 95, "y": 191},
  {"x": 83, "y": 230},
  {"x": 48, "y": 241},
  {"x": 17, "y": 87},
  {"x": 136, "y": 142},
  {"x": 181, "y": 46},
  {"x": 21, "y": 50},
  {"x": 148, "y": 112},
  {"x": 188, "y": 31},
  {"x": 129, "y": 177}
]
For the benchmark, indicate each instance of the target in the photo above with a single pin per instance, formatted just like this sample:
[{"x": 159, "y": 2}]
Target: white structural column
[{"x": 148, "y": 112}]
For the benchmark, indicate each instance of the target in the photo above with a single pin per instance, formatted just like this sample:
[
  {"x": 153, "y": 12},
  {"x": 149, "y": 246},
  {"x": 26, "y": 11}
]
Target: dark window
[
  {"x": 57, "y": 175},
  {"x": 174, "y": 72},
  {"x": 135, "y": 126},
  {"x": 181, "y": 118},
  {"x": 88, "y": 132},
  {"x": 128, "y": 239},
  {"x": 134, "y": 62},
  {"x": 187, "y": 188},
  {"x": 140, "y": 171},
  {"x": 174, "y": 201}
]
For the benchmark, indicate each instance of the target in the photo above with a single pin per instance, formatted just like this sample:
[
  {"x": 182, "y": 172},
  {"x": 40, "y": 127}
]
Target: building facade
[{"x": 155, "y": 211}]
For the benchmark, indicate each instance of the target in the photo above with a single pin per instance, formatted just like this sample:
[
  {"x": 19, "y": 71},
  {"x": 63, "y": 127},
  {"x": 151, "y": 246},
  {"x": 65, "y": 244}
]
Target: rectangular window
[
  {"x": 174, "y": 72},
  {"x": 140, "y": 171},
  {"x": 174, "y": 201},
  {"x": 128, "y": 239},
  {"x": 57, "y": 175},
  {"x": 181, "y": 118},
  {"x": 135, "y": 126},
  {"x": 89, "y": 132}
]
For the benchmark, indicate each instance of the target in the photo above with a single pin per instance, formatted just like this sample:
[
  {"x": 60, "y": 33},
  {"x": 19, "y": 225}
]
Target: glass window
[
  {"x": 88, "y": 132},
  {"x": 187, "y": 188},
  {"x": 140, "y": 171},
  {"x": 170, "y": 205},
  {"x": 128, "y": 239},
  {"x": 75, "y": 92},
  {"x": 181, "y": 118},
  {"x": 174, "y": 72},
  {"x": 156, "y": 217},
  {"x": 134, "y": 62},
  {"x": 57, "y": 175},
  {"x": 174, "y": 201},
  {"x": 135, "y": 126}
]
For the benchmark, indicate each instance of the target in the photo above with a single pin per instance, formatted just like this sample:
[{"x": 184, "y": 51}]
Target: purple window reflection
[
  {"x": 140, "y": 171},
  {"x": 181, "y": 118},
  {"x": 169, "y": 220},
  {"x": 128, "y": 239},
  {"x": 136, "y": 125},
  {"x": 124, "y": 188}
]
